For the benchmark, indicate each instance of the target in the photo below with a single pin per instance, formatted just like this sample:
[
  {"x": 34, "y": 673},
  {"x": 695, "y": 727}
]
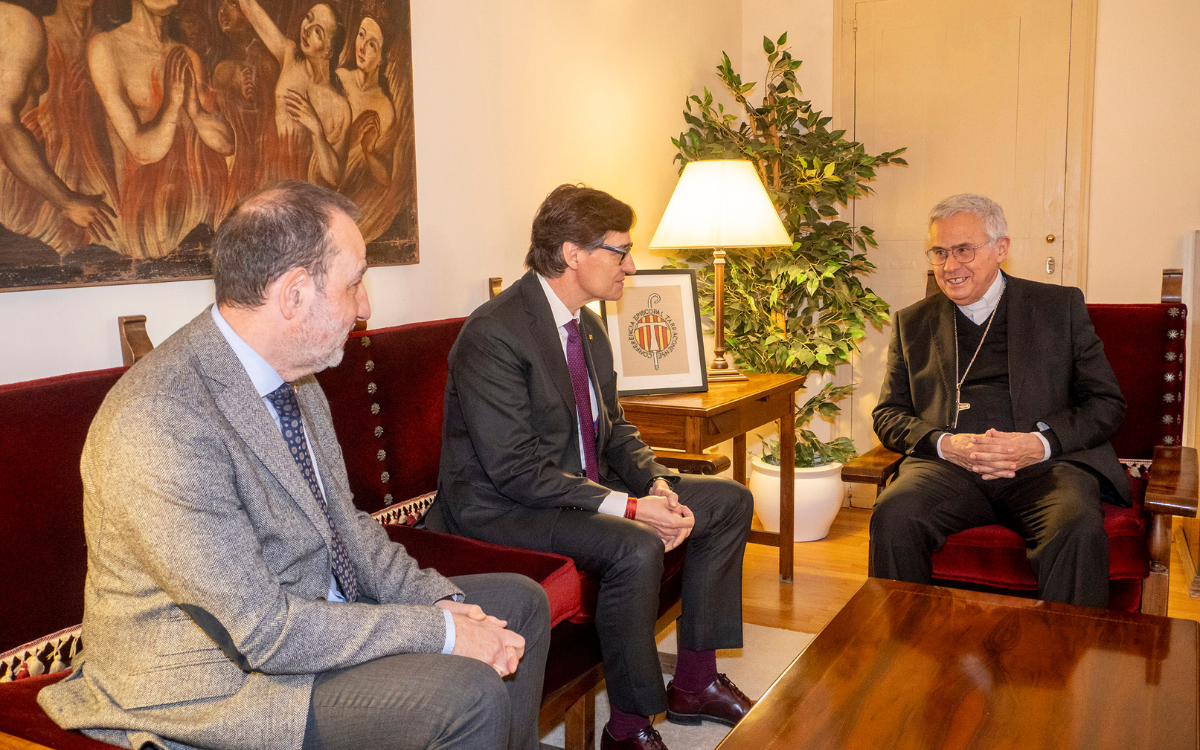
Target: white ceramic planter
[{"x": 818, "y": 498}]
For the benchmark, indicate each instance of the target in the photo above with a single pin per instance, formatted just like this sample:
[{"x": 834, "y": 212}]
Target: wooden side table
[{"x": 691, "y": 422}]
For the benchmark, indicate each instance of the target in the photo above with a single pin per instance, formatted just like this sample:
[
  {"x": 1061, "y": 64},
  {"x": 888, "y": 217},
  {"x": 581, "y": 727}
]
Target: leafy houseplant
[{"x": 798, "y": 309}]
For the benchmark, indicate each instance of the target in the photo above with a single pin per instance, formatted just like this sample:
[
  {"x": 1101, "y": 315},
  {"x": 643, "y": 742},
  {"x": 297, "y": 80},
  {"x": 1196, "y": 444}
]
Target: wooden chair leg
[
  {"x": 1157, "y": 585},
  {"x": 580, "y": 731}
]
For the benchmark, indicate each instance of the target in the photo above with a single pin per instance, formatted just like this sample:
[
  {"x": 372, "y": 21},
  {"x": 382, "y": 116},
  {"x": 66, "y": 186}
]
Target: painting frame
[{"x": 640, "y": 330}]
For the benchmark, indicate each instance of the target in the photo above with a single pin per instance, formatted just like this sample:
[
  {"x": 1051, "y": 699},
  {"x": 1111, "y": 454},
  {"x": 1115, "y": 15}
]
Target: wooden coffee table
[{"x": 910, "y": 666}]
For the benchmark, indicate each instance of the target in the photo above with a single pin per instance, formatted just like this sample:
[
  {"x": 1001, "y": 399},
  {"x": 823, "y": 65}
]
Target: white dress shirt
[
  {"x": 266, "y": 380},
  {"x": 614, "y": 503},
  {"x": 978, "y": 311}
]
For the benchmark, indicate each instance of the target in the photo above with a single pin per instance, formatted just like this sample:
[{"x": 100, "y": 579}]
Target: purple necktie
[
  {"x": 285, "y": 402},
  {"x": 583, "y": 401}
]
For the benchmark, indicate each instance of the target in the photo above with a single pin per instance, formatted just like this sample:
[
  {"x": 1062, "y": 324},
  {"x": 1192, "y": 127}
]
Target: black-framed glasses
[
  {"x": 962, "y": 253},
  {"x": 620, "y": 251}
]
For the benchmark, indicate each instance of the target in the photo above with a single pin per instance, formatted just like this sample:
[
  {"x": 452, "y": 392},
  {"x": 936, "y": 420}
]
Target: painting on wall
[{"x": 130, "y": 128}]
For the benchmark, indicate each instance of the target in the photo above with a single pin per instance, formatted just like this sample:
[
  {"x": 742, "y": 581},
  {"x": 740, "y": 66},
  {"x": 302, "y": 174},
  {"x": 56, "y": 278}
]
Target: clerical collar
[{"x": 979, "y": 310}]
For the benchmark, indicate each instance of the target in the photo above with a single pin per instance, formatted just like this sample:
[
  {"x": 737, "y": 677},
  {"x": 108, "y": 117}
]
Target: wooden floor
[{"x": 829, "y": 571}]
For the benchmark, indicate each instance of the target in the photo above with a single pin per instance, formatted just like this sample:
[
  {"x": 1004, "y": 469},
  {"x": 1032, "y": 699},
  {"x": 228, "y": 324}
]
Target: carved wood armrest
[
  {"x": 135, "y": 342},
  {"x": 1174, "y": 482},
  {"x": 876, "y": 467},
  {"x": 707, "y": 464}
]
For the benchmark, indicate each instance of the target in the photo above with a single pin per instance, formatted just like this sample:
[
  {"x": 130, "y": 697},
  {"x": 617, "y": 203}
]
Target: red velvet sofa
[
  {"x": 386, "y": 400},
  {"x": 1146, "y": 345}
]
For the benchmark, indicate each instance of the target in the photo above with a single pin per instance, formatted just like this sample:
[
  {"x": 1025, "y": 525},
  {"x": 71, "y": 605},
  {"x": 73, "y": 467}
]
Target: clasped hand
[
  {"x": 483, "y": 637},
  {"x": 661, "y": 510},
  {"x": 994, "y": 454}
]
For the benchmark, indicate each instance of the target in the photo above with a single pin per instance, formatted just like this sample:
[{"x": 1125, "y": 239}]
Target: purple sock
[
  {"x": 622, "y": 726},
  {"x": 695, "y": 670}
]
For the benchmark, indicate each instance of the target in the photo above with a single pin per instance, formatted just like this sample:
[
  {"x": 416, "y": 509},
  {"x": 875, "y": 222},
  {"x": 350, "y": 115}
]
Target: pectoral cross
[{"x": 961, "y": 406}]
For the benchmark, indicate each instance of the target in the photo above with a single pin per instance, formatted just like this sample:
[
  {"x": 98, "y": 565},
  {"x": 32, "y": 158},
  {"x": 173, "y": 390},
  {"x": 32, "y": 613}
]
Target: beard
[{"x": 322, "y": 343}]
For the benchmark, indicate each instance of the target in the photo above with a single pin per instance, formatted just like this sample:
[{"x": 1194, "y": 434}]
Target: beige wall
[
  {"x": 1145, "y": 186},
  {"x": 809, "y": 26},
  {"x": 512, "y": 99}
]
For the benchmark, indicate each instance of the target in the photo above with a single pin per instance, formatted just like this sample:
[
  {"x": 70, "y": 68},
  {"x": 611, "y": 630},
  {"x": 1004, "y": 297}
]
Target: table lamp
[{"x": 720, "y": 204}]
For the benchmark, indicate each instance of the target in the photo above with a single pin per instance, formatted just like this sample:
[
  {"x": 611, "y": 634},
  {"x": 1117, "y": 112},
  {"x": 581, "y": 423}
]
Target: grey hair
[
  {"x": 271, "y": 232},
  {"x": 987, "y": 210}
]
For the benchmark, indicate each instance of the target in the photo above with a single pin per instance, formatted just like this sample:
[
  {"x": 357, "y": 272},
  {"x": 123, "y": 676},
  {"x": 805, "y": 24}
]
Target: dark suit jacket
[
  {"x": 1057, "y": 374},
  {"x": 510, "y": 442}
]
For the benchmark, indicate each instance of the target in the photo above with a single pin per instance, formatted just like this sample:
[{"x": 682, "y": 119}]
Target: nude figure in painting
[
  {"x": 37, "y": 200},
  {"x": 374, "y": 135},
  {"x": 244, "y": 82},
  {"x": 167, "y": 143},
  {"x": 311, "y": 112}
]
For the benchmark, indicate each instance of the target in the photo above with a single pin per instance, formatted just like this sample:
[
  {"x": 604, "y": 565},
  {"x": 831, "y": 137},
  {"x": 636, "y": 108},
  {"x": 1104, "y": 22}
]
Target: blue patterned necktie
[
  {"x": 577, "y": 365},
  {"x": 290, "y": 422}
]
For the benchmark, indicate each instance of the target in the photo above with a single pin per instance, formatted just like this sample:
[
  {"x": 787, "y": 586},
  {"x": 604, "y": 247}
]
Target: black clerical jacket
[{"x": 1057, "y": 375}]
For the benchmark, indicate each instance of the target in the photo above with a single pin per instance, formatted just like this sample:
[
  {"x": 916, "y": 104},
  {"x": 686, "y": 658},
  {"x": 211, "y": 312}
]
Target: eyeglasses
[
  {"x": 962, "y": 253},
  {"x": 620, "y": 251}
]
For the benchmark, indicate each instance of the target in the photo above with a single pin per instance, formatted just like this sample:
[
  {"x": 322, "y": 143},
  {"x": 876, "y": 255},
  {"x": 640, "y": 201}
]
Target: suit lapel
[
  {"x": 246, "y": 413},
  {"x": 545, "y": 336},
  {"x": 1020, "y": 335},
  {"x": 941, "y": 332}
]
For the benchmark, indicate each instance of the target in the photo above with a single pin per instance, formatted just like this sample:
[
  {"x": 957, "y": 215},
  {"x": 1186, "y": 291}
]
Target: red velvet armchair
[{"x": 1146, "y": 345}]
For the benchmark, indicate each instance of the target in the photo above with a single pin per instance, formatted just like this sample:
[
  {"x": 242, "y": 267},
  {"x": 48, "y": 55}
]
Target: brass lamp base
[{"x": 726, "y": 375}]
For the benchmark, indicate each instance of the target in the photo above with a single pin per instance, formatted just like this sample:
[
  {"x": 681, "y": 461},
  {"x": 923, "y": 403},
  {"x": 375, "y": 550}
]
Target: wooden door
[{"x": 978, "y": 92}]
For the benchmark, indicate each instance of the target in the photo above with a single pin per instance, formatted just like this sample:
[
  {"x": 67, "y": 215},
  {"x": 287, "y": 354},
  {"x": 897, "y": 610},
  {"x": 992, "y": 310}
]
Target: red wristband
[{"x": 631, "y": 508}]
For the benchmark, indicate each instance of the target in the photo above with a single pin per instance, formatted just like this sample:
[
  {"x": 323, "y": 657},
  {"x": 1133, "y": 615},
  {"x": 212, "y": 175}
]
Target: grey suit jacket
[
  {"x": 1057, "y": 374},
  {"x": 510, "y": 443},
  {"x": 208, "y": 560}
]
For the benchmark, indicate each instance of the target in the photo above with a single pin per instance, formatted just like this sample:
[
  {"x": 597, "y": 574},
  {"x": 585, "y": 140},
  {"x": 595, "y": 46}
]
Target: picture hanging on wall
[
  {"x": 131, "y": 128},
  {"x": 657, "y": 343}
]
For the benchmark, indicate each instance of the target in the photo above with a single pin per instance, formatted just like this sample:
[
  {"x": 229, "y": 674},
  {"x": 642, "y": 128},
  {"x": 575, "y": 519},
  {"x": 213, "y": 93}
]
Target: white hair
[{"x": 987, "y": 210}]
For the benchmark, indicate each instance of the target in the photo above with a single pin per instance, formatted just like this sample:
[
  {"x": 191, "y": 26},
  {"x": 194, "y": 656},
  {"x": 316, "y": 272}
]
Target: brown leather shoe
[
  {"x": 647, "y": 739},
  {"x": 721, "y": 702}
]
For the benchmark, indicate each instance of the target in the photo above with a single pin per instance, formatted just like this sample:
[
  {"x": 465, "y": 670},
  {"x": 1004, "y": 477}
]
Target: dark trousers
[
  {"x": 441, "y": 701},
  {"x": 1054, "y": 506},
  {"x": 627, "y": 558}
]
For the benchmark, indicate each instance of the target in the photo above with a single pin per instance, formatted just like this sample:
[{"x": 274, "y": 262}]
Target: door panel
[{"x": 977, "y": 91}]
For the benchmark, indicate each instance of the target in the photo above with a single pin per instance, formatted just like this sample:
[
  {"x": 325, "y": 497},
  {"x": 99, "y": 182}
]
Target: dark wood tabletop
[{"x": 909, "y": 666}]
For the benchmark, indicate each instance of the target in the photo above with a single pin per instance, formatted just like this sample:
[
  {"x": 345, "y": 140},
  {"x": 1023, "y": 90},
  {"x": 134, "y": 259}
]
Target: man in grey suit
[
  {"x": 235, "y": 598},
  {"x": 999, "y": 395},
  {"x": 536, "y": 452}
]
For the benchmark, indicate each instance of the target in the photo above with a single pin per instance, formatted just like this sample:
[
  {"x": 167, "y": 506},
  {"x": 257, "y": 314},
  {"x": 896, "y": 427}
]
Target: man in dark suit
[
  {"x": 235, "y": 597},
  {"x": 999, "y": 395},
  {"x": 536, "y": 452}
]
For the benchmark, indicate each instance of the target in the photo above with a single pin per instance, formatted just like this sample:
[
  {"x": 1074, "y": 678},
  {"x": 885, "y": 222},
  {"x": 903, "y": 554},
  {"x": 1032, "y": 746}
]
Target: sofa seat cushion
[
  {"x": 21, "y": 716},
  {"x": 994, "y": 556},
  {"x": 459, "y": 556}
]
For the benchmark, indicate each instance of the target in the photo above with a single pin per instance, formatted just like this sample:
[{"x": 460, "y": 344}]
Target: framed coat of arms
[
  {"x": 130, "y": 128},
  {"x": 658, "y": 346}
]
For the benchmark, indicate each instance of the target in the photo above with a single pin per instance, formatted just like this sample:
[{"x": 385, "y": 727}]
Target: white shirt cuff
[
  {"x": 449, "y": 647},
  {"x": 1045, "y": 446},
  {"x": 614, "y": 504},
  {"x": 939, "y": 444}
]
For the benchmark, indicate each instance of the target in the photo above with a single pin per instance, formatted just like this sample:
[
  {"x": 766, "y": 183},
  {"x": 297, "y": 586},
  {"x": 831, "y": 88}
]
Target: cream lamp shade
[{"x": 720, "y": 204}]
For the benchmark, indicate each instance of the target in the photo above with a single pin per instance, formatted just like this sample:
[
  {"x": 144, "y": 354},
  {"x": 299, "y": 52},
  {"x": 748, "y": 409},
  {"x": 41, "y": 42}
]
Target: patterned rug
[{"x": 767, "y": 652}]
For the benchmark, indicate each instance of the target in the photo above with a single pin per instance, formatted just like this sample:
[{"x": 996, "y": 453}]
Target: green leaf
[
  {"x": 768, "y": 47},
  {"x": 782, "y": 40}
]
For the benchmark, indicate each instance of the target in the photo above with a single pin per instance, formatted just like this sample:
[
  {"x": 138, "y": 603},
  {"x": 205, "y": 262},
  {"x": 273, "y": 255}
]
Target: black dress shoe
[
  {"x": 721, "y": 702},
  {"x": 647, "y": 739}
]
